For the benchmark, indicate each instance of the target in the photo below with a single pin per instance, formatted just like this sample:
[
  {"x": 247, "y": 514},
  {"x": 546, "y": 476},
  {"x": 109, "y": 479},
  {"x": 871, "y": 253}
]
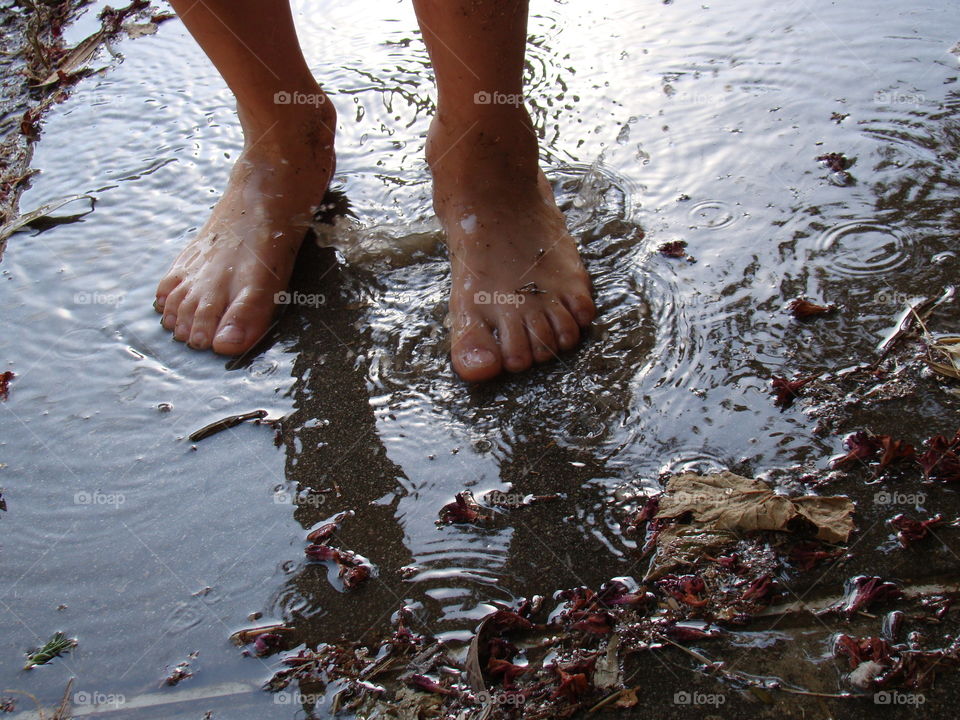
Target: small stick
[{"x": 225, "y": 424}]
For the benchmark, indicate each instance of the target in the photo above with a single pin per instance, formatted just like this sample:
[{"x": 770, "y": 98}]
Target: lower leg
[
  {"x": 220, "y": 291},
  {"x": 520, "y": 292}
]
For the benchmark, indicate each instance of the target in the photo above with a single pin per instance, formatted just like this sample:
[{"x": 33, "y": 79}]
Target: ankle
[
  {"x": 292, "y": 119},
  {"x": 502, "y": 136}
]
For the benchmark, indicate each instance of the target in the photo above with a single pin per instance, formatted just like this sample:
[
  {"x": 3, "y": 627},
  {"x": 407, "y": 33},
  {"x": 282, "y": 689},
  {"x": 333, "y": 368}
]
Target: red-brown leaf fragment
[
  {"x": 864, "y": 590},
  {"x": 463, "y": 510},
  {"x": 422, "y": 682},
  {"x": 894, "y": 450},
  {"x": 788, "y": 390},
  {"x": 909, "y": 530},
  {"x": 861, "y": 445},
  {"x": 5, "y": 378},
  {"x": 498, "y": 668},
  {"x": 803, "y": 309},
  {"x": 673, "y": 249},
  {"x": 571, "y": 686},
  {"x": 837, "y": 162},
  {"x": 941, "y": 461}
]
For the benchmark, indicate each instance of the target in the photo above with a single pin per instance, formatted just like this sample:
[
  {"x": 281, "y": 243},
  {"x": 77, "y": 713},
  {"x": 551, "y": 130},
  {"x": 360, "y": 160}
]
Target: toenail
[
  {"x": 478, "y": 357},
  {"x": 168, "y": 320},
  {"x": 230, "y": 334},
  {"x": 158, "y": 304},
  {"x": 182, "y": 330},
  {"x": 199, "y": 340},
  {"x": 584, "y": 317},
  {"x": 567, "y": 340}
]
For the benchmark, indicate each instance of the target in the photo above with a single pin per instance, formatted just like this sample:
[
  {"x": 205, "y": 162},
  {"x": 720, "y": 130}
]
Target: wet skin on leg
[
  {"x": 519, "y": 292},
  {"x": 220, "y": 290}
]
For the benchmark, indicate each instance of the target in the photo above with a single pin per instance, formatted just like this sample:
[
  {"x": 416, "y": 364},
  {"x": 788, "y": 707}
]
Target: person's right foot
[{"x": 220, "y": 291}]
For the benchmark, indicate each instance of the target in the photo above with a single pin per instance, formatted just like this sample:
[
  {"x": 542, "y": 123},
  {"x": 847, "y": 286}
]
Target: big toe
[
  {"x": 475, "y": 354},
  {"x": 244, "y": 323}
]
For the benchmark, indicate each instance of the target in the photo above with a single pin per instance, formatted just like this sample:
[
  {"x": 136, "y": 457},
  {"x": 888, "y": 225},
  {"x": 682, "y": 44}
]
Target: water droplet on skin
[{"x": 469, "y": 224}]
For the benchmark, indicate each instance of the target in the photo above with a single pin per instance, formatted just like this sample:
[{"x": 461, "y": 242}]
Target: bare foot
[
  {"x": 520, "y": 293},
  {"x": 220, "y": 290}
]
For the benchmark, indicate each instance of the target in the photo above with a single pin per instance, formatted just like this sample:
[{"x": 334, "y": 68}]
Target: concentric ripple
[{"x": 863, "y": 247}]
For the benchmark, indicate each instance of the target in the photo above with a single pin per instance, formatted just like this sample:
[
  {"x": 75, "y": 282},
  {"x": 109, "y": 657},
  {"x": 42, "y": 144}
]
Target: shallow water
[{"x": 692, "y": 122}]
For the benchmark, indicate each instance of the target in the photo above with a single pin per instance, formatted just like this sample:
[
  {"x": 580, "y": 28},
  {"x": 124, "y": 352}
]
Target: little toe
[
  {"x": 171, "y": 308},
  {"x": 166, "y": 286},
  {"x": 515, "y": 344},
  {"x": 244, "y": 323},
  {"x": 474, "y": 352},
  {"x": 565, "y": 328},
  {"x": 542, "y": 341}
]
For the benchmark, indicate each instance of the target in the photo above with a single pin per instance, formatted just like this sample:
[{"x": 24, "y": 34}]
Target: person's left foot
[{"x": 520, "y": 293}]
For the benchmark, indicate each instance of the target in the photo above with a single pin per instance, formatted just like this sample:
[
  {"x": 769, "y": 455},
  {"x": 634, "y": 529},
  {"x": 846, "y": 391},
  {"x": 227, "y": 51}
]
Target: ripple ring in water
[
  {"x": 711, "y": 214},
  {"x": 863, "y": 247}
]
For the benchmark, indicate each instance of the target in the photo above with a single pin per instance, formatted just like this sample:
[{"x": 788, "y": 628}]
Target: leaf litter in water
[
  {"x": 720, "y": 507},
  {"x": 5, "y": 378},
  {"x": 943, "y": 356},
  {"x": 54, "y": 647},
  {"x": 803, "y": 309},
  {"x": 788, "y": 390}
]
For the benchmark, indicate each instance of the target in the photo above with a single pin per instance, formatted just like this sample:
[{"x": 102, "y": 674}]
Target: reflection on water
[{"x": 658, "y": 121}]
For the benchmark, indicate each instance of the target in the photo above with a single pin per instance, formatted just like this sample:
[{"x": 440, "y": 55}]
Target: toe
[
  {"x": 166, "y": 286},
  {"x": 185, "y": 314},
  {"x": 474, "y": 351},
  {"x": 542, "y": 341},
  {"x": 244, "y": 323},
  {"x": 515, "y": 344},
  {"x": 581, "y": 307},
  {"x": 565, "y": 328},
  {"x": 171, "y": 307},
  {"x": 205, "y": 322}
]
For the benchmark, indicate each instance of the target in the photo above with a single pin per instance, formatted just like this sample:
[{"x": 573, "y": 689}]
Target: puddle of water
[{"x": 695, "y": 123}]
